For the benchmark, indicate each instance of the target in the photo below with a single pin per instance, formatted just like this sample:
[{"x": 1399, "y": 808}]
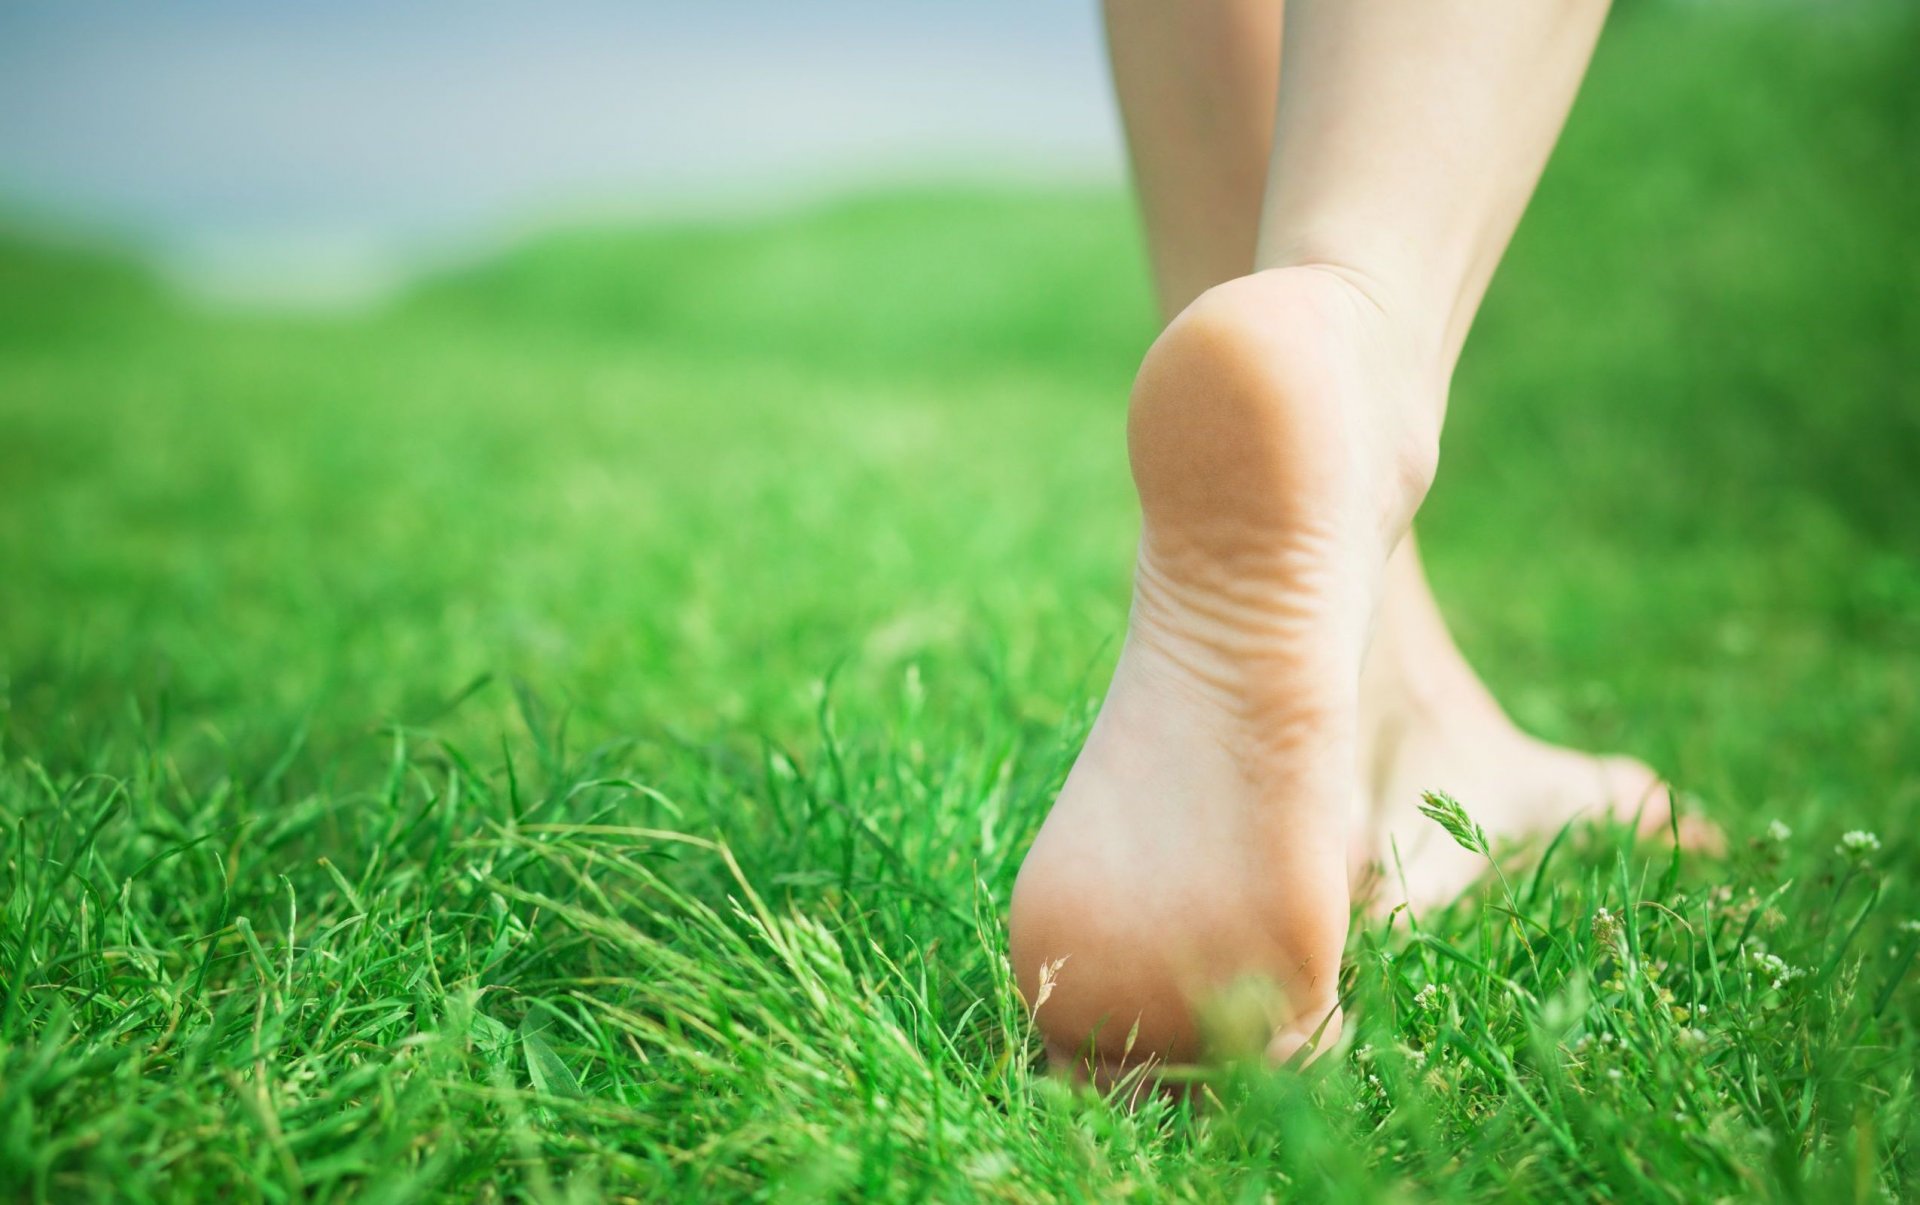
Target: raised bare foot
[
  {"x": 1428, "y": 723},
  {"x": 1200, "y": 848}
]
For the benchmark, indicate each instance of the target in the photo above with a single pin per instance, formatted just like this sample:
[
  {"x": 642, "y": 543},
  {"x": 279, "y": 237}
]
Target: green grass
[{"x": 573, "y": 732}]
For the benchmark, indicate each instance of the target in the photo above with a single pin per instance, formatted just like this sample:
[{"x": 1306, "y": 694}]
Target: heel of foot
[
  {"x": 1282, "y": 401},
  {"x": 1200, "y": 844}
]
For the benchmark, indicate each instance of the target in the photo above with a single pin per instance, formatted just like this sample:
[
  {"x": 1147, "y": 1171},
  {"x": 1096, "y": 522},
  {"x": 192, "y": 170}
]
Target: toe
[
  {"x": 1702, "y": 835},
  {"x": 1635, "y": 793},
  {"x": 1642, "y": 797}
]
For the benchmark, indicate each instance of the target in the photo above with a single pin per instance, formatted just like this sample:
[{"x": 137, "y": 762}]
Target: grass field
[{"x": 572, "y": 733}]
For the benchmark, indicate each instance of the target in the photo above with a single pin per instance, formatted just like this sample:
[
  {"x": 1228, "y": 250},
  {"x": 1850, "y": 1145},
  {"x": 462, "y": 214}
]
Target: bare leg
[
  {"x": 1283, "y": 432},
  {"x": 1197, "y": 88},
  {"x": 1431, "y": 722},
  {"x": 1196, "y": 85}
]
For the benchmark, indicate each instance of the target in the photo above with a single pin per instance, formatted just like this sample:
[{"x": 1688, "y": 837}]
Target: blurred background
[
  {"x": 322, "y": 153},
  {"x": 425, "y": 427},
  {"x": 350, "y": 353}
]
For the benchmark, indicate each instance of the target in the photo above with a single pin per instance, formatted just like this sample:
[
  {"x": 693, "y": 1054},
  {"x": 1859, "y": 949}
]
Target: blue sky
[{"x": 276, "y": 139}]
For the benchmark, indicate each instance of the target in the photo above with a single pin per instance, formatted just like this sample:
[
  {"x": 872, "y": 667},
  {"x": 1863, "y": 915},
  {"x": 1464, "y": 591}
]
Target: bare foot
[
  {"x": 1430, "y": 724},
  {"x": 1200, "y": 848}
]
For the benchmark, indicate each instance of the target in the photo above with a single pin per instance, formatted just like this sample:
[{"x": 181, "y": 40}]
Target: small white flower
[
  {"x": 1909, "y": 926},
  {"x": 1428, "y": 998},
  {"x": 1857, "y": 844},
  {"x": 1773, "y": 968},
  {"x": 1778, "y": 832},
  {"x": 989, "y": 1165},
  {"x": 1613, "y": 1073},
  {"x": 1606, "y": 927}
]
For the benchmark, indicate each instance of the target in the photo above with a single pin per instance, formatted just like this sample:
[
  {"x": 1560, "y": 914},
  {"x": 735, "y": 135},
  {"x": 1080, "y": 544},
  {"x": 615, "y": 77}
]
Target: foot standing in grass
[{"x": 1287, "y": 686}]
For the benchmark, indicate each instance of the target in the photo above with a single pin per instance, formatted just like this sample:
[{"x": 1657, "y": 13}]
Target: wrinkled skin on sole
[{"x": 1192, "y": 881}]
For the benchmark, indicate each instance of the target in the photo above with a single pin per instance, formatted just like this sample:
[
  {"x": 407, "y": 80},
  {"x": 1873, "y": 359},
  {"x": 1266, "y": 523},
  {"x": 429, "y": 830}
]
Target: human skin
[
  {"x": 1321, "y": 238},
  {"x": 1198, "y": 87}
]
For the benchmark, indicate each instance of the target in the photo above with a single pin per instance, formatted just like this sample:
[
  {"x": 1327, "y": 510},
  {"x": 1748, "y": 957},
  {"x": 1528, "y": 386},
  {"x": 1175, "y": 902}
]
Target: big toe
[
  {"x": 1642, "y": 797},
  {"x": 1635, "y": 793}
]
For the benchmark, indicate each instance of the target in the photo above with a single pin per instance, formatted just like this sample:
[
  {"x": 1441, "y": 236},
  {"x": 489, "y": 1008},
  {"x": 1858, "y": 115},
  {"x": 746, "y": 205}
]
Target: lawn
[{"x": 572, "y": 732}]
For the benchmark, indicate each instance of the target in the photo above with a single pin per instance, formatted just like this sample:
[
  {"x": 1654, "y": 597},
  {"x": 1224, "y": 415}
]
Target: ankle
[
  {"x": 1422, "y": 314},
  {"x": 1411, "y": 685}
]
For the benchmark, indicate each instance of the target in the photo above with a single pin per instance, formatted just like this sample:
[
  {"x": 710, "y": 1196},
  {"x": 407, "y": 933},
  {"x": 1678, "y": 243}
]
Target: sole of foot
[{"x": 1189, "y": 891}]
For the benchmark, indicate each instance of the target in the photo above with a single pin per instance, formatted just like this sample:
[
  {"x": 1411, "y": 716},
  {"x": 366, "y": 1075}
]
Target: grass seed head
[{"x": 1449, "y": 813}]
